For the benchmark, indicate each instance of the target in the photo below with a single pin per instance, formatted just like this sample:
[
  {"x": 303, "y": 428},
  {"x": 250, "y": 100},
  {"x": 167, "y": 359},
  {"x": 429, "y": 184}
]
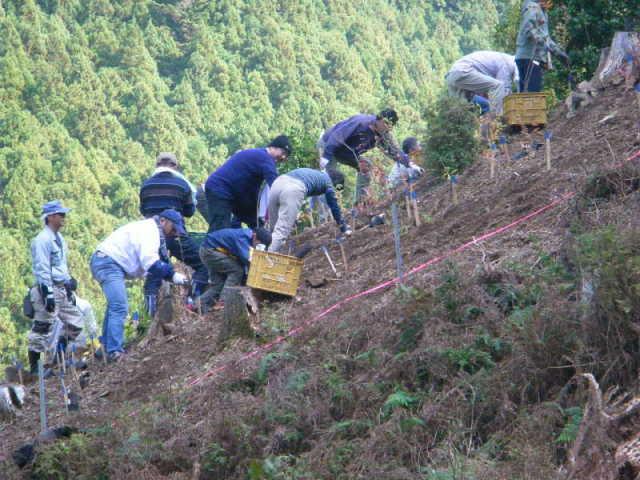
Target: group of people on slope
[
  {"x": 228, "y": 199},
  {"x": 485, "y": 77}
]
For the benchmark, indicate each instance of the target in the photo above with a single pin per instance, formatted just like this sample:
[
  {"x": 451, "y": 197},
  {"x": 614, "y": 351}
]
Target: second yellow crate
[{"x": 526, "y": 109}]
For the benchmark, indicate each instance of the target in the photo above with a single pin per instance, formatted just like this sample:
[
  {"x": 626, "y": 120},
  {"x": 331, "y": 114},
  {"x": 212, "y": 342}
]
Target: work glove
[
  {"x": 71, "y": 286},
  {"x": 48, "y": 299},
  {"x": 345, "y": 229},
  {"x": 179, "y": 279}
]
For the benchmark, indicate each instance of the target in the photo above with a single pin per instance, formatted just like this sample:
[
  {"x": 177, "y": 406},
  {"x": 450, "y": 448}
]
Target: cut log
[{"x": 241, "y": 314}]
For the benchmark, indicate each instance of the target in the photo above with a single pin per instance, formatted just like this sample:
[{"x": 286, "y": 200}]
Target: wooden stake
[
  {"x": 454, "y": 190},
  {"x": 547, "y": 148},
  {"x": 414, "y": 202},
  {"x": 637, "y": 89},
  {"x": 407, "y": 199},
  {"x": 504, "y": 146},
  {"x": 344, "y": 257}
]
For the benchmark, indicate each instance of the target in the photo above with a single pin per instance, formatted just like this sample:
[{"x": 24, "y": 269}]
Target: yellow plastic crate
[
  {"x": 526, "y": 109},
  {"x": 274, "y": 272}
]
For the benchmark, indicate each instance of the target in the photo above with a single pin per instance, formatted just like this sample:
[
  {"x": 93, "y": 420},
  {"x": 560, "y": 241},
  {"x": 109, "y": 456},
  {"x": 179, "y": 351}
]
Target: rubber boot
[{"x": 33, "y": 362}]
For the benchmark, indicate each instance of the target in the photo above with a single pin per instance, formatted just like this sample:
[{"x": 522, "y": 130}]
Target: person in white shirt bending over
[{"x": 132, "y": 251}]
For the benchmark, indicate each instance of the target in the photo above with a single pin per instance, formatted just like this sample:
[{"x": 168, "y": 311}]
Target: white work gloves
[
  {"x": 416, "y": 169},
  {"x": 179, "y": 279}
]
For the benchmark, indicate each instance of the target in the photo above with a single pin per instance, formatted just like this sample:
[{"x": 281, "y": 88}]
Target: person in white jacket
[
  {"x": 89, "y": 326},
  {"x": 483, "y": 73},
  {"x": 132, "y": 251}
]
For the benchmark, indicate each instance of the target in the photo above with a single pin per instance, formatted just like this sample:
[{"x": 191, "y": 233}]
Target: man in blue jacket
[
  {"x": 350, "y": 138},
  {"x": 225, "y": 252},
  {"x": 288, "y": 194},
  {"x": 233, "y": 188}
]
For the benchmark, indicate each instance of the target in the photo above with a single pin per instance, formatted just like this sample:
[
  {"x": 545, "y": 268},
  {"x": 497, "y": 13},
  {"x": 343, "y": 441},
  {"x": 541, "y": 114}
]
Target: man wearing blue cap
[
  {"x": 52, "y": 295},
  {"x": 134, "y": 250}
]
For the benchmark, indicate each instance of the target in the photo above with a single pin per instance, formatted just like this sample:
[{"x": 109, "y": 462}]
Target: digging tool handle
[{"x": 326, "y": 254}]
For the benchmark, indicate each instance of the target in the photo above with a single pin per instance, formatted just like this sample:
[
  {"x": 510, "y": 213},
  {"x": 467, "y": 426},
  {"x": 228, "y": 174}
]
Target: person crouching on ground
[
  {"x": 225, "y": 253},
  {"x": 287, "y": 196},
  {"x": 134, "y": 250}
]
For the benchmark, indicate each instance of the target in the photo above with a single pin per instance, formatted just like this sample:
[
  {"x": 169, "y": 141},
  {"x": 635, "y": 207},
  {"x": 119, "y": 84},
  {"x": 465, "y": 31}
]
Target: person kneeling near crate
[{"x": 225, "y": 253}]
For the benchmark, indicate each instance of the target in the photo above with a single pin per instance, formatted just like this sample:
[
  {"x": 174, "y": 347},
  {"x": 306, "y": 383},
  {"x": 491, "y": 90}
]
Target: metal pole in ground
[
  {"x": 395, "y": 218},
  {"x": 43, "y": 397},
  {"x": 547, "y": 147},
  {"x": 414, "y": 203}
]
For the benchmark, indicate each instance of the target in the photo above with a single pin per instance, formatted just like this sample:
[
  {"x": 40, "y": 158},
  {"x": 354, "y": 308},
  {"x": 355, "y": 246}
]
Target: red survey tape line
[{"x": 474, "y": 242}]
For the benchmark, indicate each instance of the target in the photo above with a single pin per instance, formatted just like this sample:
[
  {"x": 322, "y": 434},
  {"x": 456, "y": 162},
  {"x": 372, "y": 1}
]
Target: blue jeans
[{"x": 111, "y": 277}]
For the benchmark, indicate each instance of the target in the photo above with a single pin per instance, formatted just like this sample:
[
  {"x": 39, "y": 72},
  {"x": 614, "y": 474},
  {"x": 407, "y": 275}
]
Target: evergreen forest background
[{"x": 91, "y": 91}]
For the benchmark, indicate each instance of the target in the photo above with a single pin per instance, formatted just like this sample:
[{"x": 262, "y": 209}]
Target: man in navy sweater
[
  {"x": 233, "y": 188},
  {"x": 225, "y": 252},
  {"x": 288, "y": 194},
  {"x": 350, "y": 138},
  {"x": 166, "y": 189}
]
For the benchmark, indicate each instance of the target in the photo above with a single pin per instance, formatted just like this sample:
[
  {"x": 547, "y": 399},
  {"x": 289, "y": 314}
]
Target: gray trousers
[
  {"x": 461, "y": 82},
  {"x": 224, "y": 271},
  {"x": 286, "y": 199},
  {"x": 43, "y": 322}
]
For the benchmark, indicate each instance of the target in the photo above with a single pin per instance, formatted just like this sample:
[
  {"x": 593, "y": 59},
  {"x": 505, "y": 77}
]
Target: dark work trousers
[
  {"x": 530, "y": 75},
  {"x": 220, "y": 211},
  {"x": 201, "y": 198},
  {"x": 187, "y": 250}
]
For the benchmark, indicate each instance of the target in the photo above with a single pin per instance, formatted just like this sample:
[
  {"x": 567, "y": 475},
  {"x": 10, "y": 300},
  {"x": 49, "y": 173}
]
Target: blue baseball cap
[
  {"x": 53, "y": 207},
  {"x": 174, "y": 217}
]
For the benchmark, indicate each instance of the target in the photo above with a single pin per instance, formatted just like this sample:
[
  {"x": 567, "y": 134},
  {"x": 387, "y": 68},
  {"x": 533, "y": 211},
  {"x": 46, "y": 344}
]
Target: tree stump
[
  {"x": 603, "y": 449},
  {"x": 622, "y": 61},
  {"x": 241, "y": 314},
  {"x": 162, "y": 322}
]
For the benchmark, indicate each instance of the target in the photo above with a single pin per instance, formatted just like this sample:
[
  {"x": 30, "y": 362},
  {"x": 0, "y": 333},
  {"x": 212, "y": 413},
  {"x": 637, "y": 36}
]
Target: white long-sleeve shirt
[
  {"x": 134, "y": 246},
  {"x": 498, "y": 65}
]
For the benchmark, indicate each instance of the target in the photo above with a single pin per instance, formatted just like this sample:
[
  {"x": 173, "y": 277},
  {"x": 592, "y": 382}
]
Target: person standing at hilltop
[{"x": 534, "y": 46}]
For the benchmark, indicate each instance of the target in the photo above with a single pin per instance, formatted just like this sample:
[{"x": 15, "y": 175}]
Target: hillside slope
[
  {"x": 91, "y": 92},
  {"x": 463, "y": 373}
]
